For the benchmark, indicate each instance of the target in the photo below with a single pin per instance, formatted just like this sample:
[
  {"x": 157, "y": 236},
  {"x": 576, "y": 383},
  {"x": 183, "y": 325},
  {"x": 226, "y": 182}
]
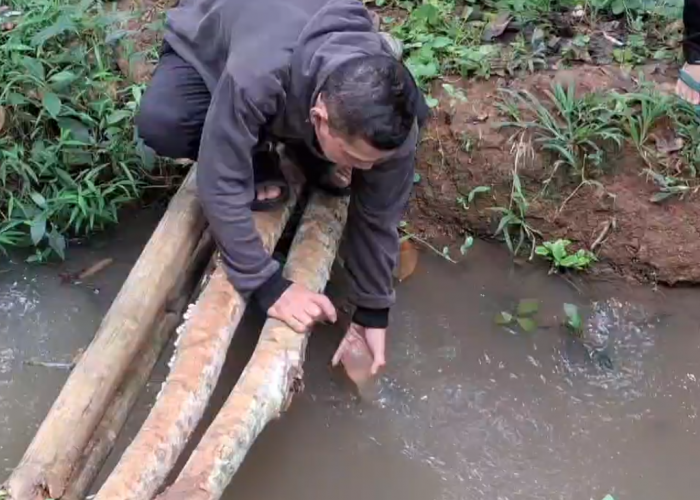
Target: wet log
[
  {"x": 274, "y": 373},
  {"x": 108, "y": 430},
  {"x": 201, "y": 349},
  {"x": 130, "y": 322}
]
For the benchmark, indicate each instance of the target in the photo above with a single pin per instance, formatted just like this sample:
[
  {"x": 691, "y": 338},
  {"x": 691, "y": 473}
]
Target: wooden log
[
  {"x": 200, "y": 353},
  {"x": 58, "y": 445},
  {"x": 108, "y": 430},
  {"x": 274, "y": 373}
]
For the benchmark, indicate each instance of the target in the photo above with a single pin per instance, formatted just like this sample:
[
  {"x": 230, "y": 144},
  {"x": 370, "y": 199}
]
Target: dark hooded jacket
[{"x": 264, "y": 62}]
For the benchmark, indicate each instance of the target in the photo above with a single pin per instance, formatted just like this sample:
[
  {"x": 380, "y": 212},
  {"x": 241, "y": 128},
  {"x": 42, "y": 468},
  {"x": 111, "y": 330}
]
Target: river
[{"x": 467, "y": 409}]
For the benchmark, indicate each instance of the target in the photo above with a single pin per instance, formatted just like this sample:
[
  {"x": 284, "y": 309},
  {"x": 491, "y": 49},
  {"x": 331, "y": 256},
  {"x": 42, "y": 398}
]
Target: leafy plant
[
  {"x": 466, "y": 201},
  {"x": 513, "y": 224},
  {"x": 573, "y": 322},
  {"x": 523, "y": 315},
  {"x": 577, "y": 131},
  {"x": 556, "y": 252},
  {"x": 69, "y": 156}
]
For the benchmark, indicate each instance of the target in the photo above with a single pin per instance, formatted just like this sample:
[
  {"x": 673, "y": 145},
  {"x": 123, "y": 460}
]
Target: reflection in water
[{"x": 466, "y": 410}]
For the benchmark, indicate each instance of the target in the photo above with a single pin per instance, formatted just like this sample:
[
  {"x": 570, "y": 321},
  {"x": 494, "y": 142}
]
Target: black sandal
[
  {"x": 318, "y": 173},
  {"x": 267, "y": 173}
]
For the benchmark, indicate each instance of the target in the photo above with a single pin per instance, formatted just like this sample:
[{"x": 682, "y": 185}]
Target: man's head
[{"x": 365, "y": 111}]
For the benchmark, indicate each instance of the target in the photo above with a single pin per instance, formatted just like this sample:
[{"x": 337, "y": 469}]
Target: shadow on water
[{"x": 466, "y": 410}]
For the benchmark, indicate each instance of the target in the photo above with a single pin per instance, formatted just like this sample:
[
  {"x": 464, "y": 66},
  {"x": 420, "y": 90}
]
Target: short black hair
[{"x": 374, "y": 98}]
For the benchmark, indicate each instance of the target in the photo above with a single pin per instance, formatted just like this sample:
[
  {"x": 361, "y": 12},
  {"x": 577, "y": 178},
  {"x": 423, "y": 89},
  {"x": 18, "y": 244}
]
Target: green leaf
[
  {"x": 573, "y": 317},
  {"x": 527, "y": 324},
  {"x": 38, "y": 199},
  {"x": 63, "y": 24},
  {"x": 37, "y": 229},
  {"x": 661, "y": 196},
  {"x": 34, "y": 67},
  {"x": 77, "y": 129},
  {"x": 503, "y": 318},
  {"x": 477, "y": 190},
  {"x": 431, "y": 101},
  {"x": 57, "y": 242},
  {"x": 558, "y": 249},
  {"x": 118, "y": 116},
  {"x": 542, "y": 251},
  {"x": 468, "y": 243},
  {"x": 63, "y": 78},
  {"x": 51, "y": 103},
  {"x": 527, "y": 307},
  {"x": 442, "y": 42}
]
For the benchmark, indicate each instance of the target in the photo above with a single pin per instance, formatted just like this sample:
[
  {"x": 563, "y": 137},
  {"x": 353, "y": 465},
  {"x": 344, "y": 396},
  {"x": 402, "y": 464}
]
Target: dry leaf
[
  {"x": 497, "y": 27},
  {"x": 668, "y": 143},
  {"x": 408, "y": 260},
  {"x": 2, "y": 118}
]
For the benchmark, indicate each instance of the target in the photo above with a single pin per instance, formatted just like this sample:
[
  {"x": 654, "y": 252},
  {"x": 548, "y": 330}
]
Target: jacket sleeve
[
  {"x": 225, "y": 183},
  {"x": 691, "y": 22},
  {"x": 377, "y": 203}
]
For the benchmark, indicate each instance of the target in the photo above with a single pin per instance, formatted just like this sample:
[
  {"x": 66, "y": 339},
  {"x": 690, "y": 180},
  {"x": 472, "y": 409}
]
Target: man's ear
[{"x": 319, "y": 112}]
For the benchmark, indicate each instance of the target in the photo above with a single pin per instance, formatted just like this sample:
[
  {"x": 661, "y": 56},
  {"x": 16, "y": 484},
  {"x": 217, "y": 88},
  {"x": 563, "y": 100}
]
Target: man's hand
[
  {"x": 300, "y": 308},
  {"x": 374, "y": 338}
]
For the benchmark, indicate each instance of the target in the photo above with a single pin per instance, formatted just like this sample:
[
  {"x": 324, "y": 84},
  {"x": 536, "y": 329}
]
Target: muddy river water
[{"x": 467, "y": 410}]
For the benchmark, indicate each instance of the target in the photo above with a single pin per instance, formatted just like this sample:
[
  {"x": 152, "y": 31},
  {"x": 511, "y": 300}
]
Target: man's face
[{"x": 344, "y": 151}]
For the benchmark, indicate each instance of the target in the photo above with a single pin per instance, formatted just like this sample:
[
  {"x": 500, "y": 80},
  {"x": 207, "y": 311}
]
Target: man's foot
[
  {"x": 688, "y": 86},
  {"x": 271, "y": 187}
]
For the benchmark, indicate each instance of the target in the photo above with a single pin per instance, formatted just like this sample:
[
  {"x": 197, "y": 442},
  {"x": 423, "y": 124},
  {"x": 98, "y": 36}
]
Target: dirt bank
[{"x": 463, "y": 147}]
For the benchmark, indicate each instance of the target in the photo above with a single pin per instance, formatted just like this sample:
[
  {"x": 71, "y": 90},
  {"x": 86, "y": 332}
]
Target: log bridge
[{"x": 178, "y": 286}]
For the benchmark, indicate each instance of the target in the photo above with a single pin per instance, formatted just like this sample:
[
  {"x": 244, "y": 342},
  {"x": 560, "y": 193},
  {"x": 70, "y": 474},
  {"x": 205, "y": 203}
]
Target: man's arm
[
  {"x": 691, "y": 22},
  {"x": 226, "y": 189},
  {"x": 377, "y": 204}
]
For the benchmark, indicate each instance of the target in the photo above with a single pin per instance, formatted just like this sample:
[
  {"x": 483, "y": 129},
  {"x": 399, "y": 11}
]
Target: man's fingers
[
  {"x": 313, "y": 310},
  {"x": 326, "y": 307}
]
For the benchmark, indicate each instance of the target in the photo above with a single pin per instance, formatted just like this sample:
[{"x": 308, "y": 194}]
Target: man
[
  {"x": 688, "y": 86},
  {"x": 237, "y": 76}
]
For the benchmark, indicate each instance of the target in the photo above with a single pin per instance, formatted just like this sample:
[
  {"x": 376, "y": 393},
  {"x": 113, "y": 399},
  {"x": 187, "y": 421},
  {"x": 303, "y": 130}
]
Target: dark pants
[{"x": 173, "y": 108}]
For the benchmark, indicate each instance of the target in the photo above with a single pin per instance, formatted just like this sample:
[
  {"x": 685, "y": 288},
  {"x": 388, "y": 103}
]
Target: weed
[
  {"x": 466, "y": 201},
  {"x": 574, "y": 322},
  {"x": 69, "y": 157},
  {"x": 577, "y": 131},
  {"x": 439, "y": 40},
  {"x": 523, "y": 315},
  {"x": 513, "y": 224},
  {"x": 557, "y": 253}
]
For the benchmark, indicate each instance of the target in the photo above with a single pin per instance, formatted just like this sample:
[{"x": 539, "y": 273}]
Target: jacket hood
[{"x": 340, "y": 31}]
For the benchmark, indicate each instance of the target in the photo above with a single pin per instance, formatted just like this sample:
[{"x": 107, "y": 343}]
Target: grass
[{"x": 69, "y": 154}]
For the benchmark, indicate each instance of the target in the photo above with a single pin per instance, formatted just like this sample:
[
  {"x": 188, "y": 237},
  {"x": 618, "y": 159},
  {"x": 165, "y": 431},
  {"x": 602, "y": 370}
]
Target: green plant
[
  {"x": 513, "y": 222},
  {"x": 466, "y": 201},
  {"x": 440, "y": 38},
  {"x": 556, "y": 252},
  {"x": 576, "y": 131},
  {"x": 69, "y": 156},
  {"x": 523, "y": 315},
  {"x": 573, "y": 322}
]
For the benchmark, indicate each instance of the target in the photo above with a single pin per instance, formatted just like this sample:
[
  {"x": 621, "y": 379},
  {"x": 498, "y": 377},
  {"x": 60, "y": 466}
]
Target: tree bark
[
  {"x": 201, "y": 349},
  {"x": 108, "y": 430},
  {"x": 274, "y": 373},
  {"x": 58, "y": 445}
]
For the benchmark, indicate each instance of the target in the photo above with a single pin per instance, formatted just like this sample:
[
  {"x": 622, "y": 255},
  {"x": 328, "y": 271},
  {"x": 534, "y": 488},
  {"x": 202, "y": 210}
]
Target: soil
[
  {"x": 641, "y": 240},
  {"x": 635, "y": 239}
]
